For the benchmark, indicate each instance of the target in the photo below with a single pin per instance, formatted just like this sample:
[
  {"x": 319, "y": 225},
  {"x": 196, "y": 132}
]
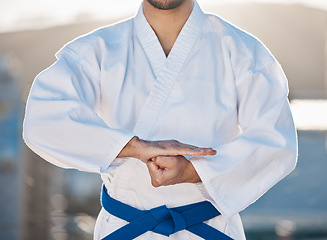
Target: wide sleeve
[
  {"x": 61, "y": 124},
  {"x": 264, "y": 152}
]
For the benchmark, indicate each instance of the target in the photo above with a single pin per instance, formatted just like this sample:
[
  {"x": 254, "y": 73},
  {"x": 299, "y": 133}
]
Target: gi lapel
[{"x": 165, "y": 69}]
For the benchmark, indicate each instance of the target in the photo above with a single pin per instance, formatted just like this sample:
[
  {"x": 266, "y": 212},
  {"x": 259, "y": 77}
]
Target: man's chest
[{"x": 201, "y": 94}]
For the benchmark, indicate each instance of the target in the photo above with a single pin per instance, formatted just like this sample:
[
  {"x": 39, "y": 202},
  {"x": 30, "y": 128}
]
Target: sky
[{"x": 27, "y": 14}]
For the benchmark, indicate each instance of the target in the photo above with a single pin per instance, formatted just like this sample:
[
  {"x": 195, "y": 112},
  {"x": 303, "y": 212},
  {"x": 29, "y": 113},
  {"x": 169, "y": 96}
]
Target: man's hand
[
  {"x": 165, "y": 160},
  {"x": 169, "y": 170},
  {"x": 147, "y": 150}
]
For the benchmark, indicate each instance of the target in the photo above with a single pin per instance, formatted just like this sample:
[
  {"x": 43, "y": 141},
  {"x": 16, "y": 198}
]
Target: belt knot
[
  {"x": 162, "y": 220},
  {"x": 168, "y": 220}
]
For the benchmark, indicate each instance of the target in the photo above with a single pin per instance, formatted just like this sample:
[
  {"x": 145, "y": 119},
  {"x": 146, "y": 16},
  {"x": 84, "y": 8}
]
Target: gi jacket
[{"x": 219, "y": 87}]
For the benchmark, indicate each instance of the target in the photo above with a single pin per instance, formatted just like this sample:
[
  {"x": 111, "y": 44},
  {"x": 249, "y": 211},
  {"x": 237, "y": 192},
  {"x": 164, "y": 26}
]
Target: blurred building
[
  {"x": 296, "y": 35},
  {"x": 10, "y": 155},
  {"x": 62, "y": 204}
]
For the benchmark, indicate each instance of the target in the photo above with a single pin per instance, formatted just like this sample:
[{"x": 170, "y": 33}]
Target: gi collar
[{"x": 183, "y": 44}]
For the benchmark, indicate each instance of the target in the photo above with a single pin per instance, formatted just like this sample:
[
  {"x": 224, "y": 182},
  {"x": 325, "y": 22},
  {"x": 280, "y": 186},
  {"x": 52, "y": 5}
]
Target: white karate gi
[{"x": 219, "y": 87}]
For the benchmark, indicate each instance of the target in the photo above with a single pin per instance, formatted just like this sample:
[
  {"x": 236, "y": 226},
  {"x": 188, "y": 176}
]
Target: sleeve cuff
[
  {"x": 127, "y": 136},
  {"x": 207, "y": 189}
]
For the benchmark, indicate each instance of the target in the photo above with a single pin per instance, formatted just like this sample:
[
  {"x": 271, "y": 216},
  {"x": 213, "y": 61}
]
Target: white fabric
[{"x": 219, "y": 87}]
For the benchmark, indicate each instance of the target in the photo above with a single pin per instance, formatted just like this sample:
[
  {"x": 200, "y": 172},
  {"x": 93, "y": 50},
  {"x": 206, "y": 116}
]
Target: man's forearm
[
  {"x": 146, "y": 150},
  {"x": 131, "y": 149}
]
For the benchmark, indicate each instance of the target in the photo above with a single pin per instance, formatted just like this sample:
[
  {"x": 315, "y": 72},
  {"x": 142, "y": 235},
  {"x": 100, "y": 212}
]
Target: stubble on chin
[{"x": 165, "y": 4}]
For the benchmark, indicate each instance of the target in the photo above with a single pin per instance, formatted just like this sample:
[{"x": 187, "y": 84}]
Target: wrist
[
  {"x": 131, "y": 149},
  {"x": 193, "y": 176},
  {"x": 138, "y": 148}
]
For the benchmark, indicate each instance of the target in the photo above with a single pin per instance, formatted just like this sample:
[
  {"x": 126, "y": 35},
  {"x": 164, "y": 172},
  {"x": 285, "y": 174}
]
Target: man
[{"x": 172, "y": 72}]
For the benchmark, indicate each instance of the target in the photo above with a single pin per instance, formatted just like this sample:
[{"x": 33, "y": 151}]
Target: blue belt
[{"x": 162, "y": 220}]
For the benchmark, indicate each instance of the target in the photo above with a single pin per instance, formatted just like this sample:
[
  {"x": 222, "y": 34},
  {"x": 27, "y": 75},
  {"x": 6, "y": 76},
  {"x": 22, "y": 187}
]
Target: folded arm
[
  {"x": 265, "y": 151},
  {"x": 62, "y": 126}
]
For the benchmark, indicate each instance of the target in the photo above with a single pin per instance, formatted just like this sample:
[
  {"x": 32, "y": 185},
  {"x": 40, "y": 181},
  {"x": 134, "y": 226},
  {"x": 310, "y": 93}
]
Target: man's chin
[{"x": 166, "y": 4}]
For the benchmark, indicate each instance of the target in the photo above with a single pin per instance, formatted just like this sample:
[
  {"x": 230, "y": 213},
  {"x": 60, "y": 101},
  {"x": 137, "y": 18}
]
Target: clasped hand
[{"x": 165, "y": 160}]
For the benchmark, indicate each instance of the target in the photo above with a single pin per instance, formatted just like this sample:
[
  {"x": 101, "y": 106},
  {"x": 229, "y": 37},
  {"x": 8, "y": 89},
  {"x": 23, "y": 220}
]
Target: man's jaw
[{"x": 165, "y": 4}]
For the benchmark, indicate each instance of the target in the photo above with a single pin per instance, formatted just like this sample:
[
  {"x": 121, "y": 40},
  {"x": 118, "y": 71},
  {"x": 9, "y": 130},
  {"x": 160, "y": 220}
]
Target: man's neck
[{"x": 167, "y": 24}]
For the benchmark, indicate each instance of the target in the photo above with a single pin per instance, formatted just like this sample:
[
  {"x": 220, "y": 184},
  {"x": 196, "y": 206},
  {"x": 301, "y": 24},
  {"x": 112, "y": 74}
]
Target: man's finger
[
  {"x": 163, "y": 162},
  {"x": 155, "y": 173},
  {"x": 175, "y": 148},
  {"x": 196, "y": 152},
  {"x": 152, "y": 166},
  {"x": 193, "y": 150},
  {"x": 189, "y": 146}
]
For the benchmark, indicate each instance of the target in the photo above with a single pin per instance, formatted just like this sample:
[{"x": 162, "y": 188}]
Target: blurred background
[{"x": 41, "y": 201}]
